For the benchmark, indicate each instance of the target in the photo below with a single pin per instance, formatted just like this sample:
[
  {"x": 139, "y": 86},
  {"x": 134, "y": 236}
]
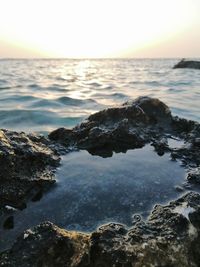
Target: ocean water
[{"x": 41, "y": 95}]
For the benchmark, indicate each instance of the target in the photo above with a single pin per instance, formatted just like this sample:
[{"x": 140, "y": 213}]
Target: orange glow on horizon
[{"x": 88, "y": 29}]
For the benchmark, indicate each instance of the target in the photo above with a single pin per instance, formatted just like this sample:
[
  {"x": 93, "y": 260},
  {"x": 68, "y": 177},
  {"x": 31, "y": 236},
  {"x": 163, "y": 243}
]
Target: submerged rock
[
  {"x": 192, "y": 64},
  {"x": 170, "y": 237},
  {"x": 26, "y": 167}
]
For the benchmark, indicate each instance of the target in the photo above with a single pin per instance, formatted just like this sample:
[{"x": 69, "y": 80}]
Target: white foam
[{"x": 184, "y": 209}]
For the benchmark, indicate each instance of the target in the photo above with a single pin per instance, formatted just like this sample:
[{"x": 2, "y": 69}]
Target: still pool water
[{"x": 91, "y": 191}]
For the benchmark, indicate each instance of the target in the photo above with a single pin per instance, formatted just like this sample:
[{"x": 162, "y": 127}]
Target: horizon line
[{"x": 91, "y": 58}]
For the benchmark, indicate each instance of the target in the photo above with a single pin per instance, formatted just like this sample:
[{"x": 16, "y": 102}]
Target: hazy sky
[{"x": 99, "y": 28}]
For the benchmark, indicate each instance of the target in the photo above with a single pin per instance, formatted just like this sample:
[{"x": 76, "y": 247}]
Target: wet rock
[
  {"x": 183, "y": 126},
  {"x": 166, "y": 239},
  {"x": 170, "y": 237},
  {"x": 161, "y": 146},
  {"x": 179, "y": 188},
  {"x": 130, "y": 125},
  {"x": 187, "y": 185},
  {"x": 191, "y": 64},
  {"x": 9, "y": 223},
  {"x": 196, "y": 142},
  {"x": 48, "y": 245},
  {"x": 188, "y": 153},
  {"x": 194, "y": 176},
  {"x": 26, "y": 165}
]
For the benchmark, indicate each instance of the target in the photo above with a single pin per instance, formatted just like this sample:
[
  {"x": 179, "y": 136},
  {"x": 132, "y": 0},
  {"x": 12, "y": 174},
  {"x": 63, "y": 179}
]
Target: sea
[{"x": 40, "y": 95}]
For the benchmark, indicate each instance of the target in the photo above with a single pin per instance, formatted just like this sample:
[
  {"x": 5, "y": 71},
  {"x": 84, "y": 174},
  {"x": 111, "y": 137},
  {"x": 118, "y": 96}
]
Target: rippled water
[{"x": 41, "y": 95}]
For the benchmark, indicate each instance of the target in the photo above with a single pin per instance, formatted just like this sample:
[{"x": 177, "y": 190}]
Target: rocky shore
[
  {"x": 26, "y": 168},
  {"x": 170, "y": 236}
]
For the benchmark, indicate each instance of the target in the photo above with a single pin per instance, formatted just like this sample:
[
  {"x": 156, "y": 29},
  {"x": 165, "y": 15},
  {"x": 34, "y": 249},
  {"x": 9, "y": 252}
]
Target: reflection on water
[
  {"x": 92, "y": 190},
  {"x": 32, "y": 87}
]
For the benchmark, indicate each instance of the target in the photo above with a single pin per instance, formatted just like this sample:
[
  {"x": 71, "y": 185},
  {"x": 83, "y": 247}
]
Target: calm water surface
[{"x": 91, "y": 191}]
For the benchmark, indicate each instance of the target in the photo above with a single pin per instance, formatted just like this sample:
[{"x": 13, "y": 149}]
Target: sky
[{"x": 99, "y": 28}]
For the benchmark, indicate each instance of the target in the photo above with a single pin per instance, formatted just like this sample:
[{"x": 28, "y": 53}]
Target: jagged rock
[
  {"x": 170, "y": 237},
  {"x": 132, "y": 125},
  {"x": 194, "y": 176},
  {"x": 48, "y": 245},
  {"x": 120, "y": 128},
  {"x": 192, "y": 64},
  {"x": 161, "y": 146},
  {"x": 26, "y": 164}
]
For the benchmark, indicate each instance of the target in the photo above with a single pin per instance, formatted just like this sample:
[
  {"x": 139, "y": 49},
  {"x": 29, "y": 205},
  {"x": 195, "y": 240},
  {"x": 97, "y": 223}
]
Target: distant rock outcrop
[{"x": 191, "y": 64}]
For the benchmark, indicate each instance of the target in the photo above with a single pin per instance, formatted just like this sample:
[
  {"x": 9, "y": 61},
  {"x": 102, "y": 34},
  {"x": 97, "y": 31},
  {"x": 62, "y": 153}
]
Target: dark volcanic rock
[
  {"x": 192, "y": 64},
  {"x": 48, "y": 245},
  {"x": 120, "y": 128},
  {"x": 161, "y": 146},
  {"x": 9, "y": 223},
  {"x": 26, "y": 164},
  {"x": 170, "y": 237},
  {"x": 194, "y": 176},
  {"x": 132, "y": 125},
  {"x": 190, "y": 132}
]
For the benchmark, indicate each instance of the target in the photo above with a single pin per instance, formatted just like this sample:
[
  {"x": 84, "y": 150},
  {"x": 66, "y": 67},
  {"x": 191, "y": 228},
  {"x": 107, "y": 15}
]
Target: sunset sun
[{"x": 78, "y": 29}]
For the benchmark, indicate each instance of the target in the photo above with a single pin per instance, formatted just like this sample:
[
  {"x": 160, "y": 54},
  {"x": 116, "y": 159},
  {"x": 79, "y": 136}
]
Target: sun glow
[{"x": 92, "y": 28}]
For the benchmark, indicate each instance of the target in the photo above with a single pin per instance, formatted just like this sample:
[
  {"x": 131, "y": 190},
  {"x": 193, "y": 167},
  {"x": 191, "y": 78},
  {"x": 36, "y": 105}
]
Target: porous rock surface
[
  {"x": 26, "y": 165},
  {"x": 170, "y": 237},
  {"x": 130, "y": 125}
]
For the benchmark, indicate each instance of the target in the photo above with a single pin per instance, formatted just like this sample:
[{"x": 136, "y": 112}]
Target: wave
[
  {"x": 3, "y": 81},
  {"x": 95, "y": 84},
  {"x": 36, "y": 117},
  {"x": 36, "y": 93},
  {"x": 18, "y": 98},
  {"x": 62, "y": 101},
  {"x": 75, "y": 102},
  {"x": 43, "y": 103},
  {"x": 56, "y": 88},
  {"x": 110, "y": 96},
  {"x": 9, "y": 87}
]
